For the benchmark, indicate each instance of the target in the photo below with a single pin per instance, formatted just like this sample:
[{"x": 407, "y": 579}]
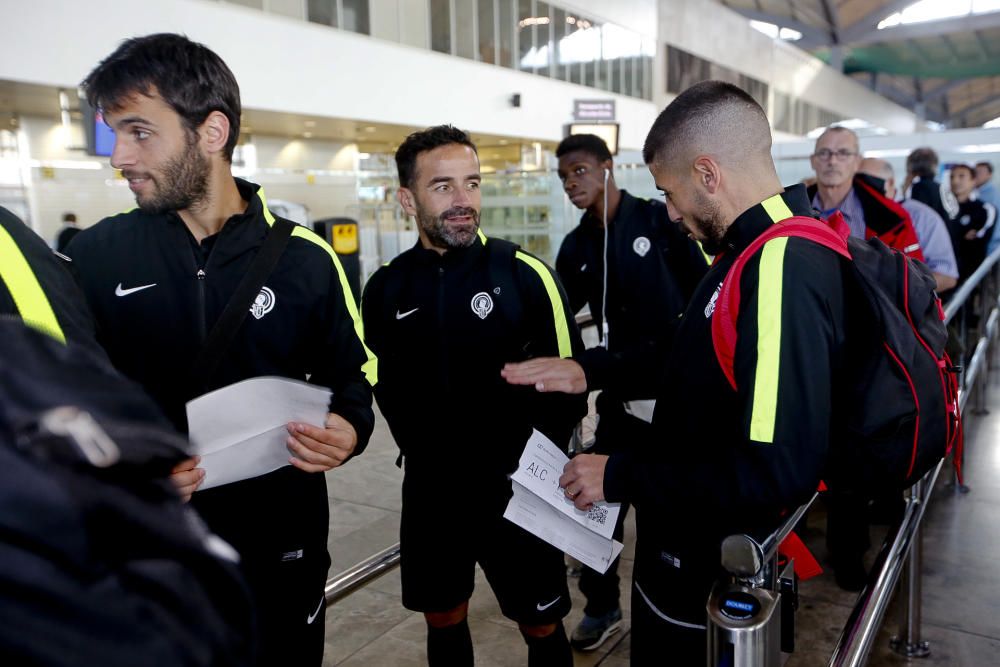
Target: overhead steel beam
[
  {"x": 968, "y": 23},
  {"x": 984, "y": 50},
  {"x": 833, "y": 18},
  {"x": 915, "y": 49},
  {"x": 972, "y": 109},
  {"x": 814, "y": 35},
  {"x": 944, "y": 89},
  {"x": 870, "y": 21}
]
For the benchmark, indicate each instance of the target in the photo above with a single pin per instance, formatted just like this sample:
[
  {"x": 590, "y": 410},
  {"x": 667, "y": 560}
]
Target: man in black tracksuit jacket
[
  {"x": 444, "y": 317},
  {"x": 157, "y": 279},
  {"x": 652, "y": 270},
  {"x": 36, "y": 285},
  {"x": 727, "y": 461}
]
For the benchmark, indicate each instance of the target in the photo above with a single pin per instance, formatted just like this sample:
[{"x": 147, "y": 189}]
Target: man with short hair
[
  {"x": 921, "y": 183},
  {"x": 158, "y": 277},
  {"x": 866, "y": 209},
  {"x": 444, "y": 317},
  {"x": 988, "y": 194},
  {"x": 652, "y": 270},
  {"x": 725, "y": 461},
  {"x": 932, "y": 231},
  {"x": 66, "y": 233},
  {"x": 972, "y": 228}
]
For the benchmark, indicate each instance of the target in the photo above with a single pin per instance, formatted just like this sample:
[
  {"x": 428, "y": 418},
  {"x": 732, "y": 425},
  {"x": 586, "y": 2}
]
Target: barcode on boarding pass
[{"x": 598, "y": 514}]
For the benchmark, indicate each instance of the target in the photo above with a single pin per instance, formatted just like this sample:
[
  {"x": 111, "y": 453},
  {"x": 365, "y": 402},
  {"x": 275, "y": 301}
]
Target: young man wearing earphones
[{"x": 636, "y": 270}]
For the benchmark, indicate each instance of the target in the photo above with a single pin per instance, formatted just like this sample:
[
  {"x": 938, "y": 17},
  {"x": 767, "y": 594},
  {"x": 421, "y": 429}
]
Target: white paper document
[
  {"x": 240, "y": 430},
  {"x": 540, "y": 507}
]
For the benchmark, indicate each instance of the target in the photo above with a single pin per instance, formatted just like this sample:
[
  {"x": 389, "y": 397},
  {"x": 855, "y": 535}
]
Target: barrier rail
[{"x": 904, "y": 546}]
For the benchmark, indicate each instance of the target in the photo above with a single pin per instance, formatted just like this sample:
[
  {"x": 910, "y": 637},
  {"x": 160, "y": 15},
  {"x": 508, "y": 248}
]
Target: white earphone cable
[{"x": 604, "y": 295}]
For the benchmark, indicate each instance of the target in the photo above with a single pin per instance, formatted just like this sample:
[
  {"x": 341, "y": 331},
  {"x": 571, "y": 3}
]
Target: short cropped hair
[
  {"x": 987, "y": 164},
  {"x": 841, "y": 130},
  {"x": 423, "y": 141},
  {"x": 710, "y": 114},
  {"x": 191, "y": 78},
  {"x": 968, "y": 166},
  {"x": 922, "y": 162},
  {"x": 591, "y": 144}
]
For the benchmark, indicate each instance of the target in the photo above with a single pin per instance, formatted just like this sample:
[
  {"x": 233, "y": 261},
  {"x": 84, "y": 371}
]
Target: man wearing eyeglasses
[
  {"x": 839, "y": 187},
  {"x": 869, "y": 213}
]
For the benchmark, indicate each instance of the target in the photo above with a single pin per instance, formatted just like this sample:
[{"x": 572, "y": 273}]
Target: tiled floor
[{"x": 961, "y": 602}]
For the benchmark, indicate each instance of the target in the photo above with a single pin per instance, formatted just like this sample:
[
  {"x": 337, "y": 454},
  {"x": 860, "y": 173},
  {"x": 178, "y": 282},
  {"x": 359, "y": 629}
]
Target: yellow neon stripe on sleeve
[
  {"x": 776, "y": 208},
  {"x": 765, "y": 386},
  {"x": 370, "y": 367},
  {"x": 25, "y": 290},
  {"x": 558, "y": 313}
]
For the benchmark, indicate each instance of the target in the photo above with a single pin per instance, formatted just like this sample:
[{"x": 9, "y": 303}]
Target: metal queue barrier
[
  {"x": 751, "y": 618},
  {"x": 901, "y": 552}
]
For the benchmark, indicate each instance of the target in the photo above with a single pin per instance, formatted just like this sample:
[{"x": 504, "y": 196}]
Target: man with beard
[
  {"x": 158, "y": 278},
  {"x": 444, "y": 317},
  {"x": 726, "y": 460},
  {"x": 652, "y": 270}
]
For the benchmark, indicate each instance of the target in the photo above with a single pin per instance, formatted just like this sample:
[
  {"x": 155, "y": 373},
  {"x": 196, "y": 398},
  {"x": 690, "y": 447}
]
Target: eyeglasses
[{"x": 826, "y": 154}]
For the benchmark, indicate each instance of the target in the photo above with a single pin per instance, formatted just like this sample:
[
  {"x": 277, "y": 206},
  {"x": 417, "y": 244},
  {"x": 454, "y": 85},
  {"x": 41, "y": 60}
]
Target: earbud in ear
[{"x": 607, "y": 173}]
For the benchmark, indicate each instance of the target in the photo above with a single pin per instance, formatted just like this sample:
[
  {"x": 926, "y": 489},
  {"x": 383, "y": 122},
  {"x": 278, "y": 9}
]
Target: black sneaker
[{"x": 592, "y": 632}]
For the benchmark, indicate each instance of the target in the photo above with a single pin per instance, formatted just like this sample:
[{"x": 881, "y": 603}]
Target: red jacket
[{"x": 885, "y": 219}]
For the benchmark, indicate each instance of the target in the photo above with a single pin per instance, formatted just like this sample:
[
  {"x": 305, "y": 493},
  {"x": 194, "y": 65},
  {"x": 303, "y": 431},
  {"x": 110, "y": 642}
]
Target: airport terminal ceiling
[{"x": 947, "y": 66}]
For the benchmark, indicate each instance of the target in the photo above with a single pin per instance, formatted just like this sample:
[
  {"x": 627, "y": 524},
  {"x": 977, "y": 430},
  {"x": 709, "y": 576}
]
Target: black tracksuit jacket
[
  {"x": 440, "y": 388},
  {"x": 53, "y": 274},
  {"x": 653, "y": 268},
  {"x": 153, "y": 336},
  {"x": 728, "y": 461}
]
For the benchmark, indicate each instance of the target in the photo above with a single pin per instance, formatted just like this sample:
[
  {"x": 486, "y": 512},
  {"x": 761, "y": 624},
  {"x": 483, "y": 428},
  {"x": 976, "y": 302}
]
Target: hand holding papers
[
  {"x": 540, "y": 507},
  {"x": 239, "y": 430}
]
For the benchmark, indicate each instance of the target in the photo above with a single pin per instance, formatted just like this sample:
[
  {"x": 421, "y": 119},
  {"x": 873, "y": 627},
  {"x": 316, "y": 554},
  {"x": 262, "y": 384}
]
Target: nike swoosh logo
[
  {"x": 543, "y": 607},
  {"x": 312, "y": 616},
  {"x": 125, "y": 292},
  {"x": 400, "y": 315}
]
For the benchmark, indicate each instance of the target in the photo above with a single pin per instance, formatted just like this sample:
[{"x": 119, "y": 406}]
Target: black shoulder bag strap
[{"x": 222, "y": 334}]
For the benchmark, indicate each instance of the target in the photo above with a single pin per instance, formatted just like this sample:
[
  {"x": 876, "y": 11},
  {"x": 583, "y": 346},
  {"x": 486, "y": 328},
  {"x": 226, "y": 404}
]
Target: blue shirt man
[
  {"x": 988, "y": 193},
  {"x": 932, "y": 231}
]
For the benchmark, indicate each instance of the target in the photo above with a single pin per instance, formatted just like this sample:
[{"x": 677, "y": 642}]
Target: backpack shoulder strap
[
  {"x": 830, "y": 234},
  {"x": 239, "y": 304}
]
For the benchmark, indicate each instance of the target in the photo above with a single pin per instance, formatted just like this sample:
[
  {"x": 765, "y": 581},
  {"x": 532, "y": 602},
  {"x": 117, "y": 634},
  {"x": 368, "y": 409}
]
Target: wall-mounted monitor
[
  {"x": 606, "y": 131},
  {"x": 100, "y": 138}
]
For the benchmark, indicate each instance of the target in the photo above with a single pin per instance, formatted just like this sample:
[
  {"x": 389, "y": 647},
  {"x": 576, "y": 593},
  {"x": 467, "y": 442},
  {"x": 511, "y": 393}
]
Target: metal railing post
[{"x": 908, "y": 642}]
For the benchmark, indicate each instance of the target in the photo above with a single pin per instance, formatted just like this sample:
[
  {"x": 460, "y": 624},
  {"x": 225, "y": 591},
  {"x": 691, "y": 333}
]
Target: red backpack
[{"x": 901, "y": 415}]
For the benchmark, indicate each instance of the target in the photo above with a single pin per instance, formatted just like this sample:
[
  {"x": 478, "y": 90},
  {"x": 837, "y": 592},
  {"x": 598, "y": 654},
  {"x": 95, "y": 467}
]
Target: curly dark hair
[
  {"x": 423, "y": 141},
  {"x": 191, "y": 78},
  {"x": 591, "y": 144}
]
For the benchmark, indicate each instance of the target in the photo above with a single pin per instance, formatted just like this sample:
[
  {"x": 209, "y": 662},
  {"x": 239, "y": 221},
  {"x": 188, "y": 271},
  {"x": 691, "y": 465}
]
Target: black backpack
[
  {"x": 100, "y": 562},
  {"x": 899, "y": 414}
]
